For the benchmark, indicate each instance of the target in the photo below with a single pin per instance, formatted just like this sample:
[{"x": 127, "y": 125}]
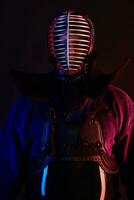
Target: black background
[{"x": 23, "y": 39}]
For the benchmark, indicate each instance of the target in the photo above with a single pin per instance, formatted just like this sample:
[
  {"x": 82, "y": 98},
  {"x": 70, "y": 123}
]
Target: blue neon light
[{"x": 43, "y": 184}]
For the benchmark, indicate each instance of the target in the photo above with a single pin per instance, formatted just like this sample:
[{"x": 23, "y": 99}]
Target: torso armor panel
[{"x": 80, "y": 167}]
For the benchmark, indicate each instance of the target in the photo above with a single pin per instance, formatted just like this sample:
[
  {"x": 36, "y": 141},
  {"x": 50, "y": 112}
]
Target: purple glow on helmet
[{"x": 71, "y": 39}]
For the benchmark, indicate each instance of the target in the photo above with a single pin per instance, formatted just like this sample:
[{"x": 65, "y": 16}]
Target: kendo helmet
[{"x": 71, "y": 41}]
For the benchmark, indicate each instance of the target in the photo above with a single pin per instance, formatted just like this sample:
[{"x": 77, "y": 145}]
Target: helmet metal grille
[{"x": 71, "y": 39}]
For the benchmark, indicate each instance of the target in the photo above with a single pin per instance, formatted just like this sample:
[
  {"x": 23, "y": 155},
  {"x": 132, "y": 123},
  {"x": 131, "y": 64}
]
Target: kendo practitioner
[{"x": 70, "y": 133}]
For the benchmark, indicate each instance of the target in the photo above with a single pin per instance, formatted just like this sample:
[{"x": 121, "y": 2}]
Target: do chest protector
[{"x": 89, "y": 151}]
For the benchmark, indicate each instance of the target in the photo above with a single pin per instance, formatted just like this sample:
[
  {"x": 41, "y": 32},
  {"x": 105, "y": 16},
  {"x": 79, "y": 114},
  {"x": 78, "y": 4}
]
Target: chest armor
[{"x": 80, "y": 166}]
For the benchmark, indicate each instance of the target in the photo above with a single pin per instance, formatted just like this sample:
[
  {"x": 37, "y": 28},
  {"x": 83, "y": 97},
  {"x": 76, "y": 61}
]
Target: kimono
[{"x": 79, "y": 154}]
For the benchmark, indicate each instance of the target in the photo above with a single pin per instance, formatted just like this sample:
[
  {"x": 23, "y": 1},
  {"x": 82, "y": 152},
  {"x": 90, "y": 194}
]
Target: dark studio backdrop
[
  {"x": 23, "y": 39},
  {"x": 23, "y": 36}
]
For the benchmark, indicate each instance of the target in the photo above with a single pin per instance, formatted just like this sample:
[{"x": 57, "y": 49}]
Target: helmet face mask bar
[{"x": 71, "y": 40}]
